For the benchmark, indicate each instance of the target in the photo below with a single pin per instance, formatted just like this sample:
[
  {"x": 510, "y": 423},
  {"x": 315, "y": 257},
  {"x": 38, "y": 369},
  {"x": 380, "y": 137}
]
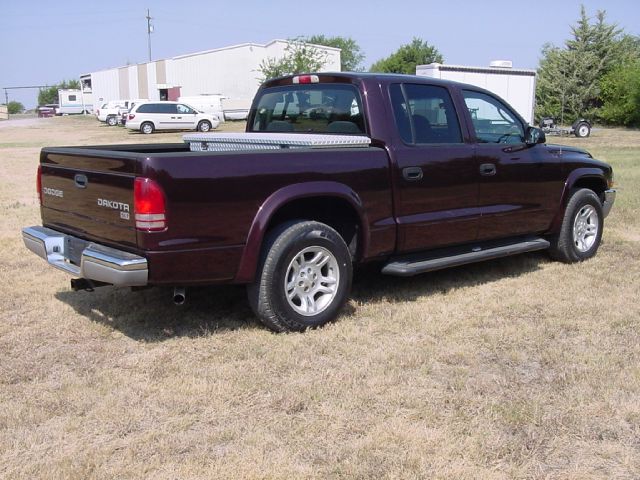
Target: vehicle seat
[
  {"x": 342, "y": 126},
  {"x": 279, "y": 126},
  {"x": 422, "y": 128}
]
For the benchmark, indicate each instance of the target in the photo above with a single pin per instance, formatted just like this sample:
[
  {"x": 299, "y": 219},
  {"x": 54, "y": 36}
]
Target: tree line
[{"x": 594, "y": 75}]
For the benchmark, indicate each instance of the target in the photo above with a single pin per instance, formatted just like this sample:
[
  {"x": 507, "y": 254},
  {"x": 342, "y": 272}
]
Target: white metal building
[
  {"x": 231, "y": 71},
  {"x": 516, "y": 86}
]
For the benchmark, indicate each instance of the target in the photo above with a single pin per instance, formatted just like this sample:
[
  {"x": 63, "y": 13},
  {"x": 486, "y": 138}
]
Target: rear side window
[
  {"x": 316, "y": 108},
  {"x": 146, "y": 108},
  {"x": 168, "y": 108},
  {"x": 492, "y": 120},
  {"x": 425, "y": 114}
]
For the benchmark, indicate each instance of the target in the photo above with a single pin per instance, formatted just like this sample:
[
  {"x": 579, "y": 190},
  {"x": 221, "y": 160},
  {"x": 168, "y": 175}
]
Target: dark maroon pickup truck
[{"x": 334, "y": 170}]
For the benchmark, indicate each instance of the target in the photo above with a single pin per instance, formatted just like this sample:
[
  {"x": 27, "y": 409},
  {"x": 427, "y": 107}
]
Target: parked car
[
  {"x": 148, "y": 117},
  {"x": 48, "y": 110},
  {"x": 408, "y": 178},
  {"x": 111, "y": 112}
]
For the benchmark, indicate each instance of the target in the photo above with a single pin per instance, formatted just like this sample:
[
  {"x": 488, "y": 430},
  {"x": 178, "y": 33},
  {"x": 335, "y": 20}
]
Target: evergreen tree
[{"x": 569, "y": 78}]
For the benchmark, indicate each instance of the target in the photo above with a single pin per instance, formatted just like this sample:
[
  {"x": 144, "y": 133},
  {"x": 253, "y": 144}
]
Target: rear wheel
[
  {"x": 303, "y": 279},
  {"x": 204, "y": 126},
  {"x": 112, "y": 121},
  {"x": 581, "y": 230},
  {"x": 147, "y": 128}
]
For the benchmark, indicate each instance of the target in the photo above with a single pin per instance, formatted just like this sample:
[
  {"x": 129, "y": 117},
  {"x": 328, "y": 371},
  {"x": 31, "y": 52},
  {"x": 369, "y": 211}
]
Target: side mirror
[{"x": 534, "y": 136}]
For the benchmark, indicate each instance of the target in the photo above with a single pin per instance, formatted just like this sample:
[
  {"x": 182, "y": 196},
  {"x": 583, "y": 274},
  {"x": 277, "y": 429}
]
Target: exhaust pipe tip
[{"x": 179, "y": 295}]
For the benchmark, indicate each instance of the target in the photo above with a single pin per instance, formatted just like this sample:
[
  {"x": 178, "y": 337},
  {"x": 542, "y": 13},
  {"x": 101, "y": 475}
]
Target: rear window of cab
[{"x": 314, "y": 108}]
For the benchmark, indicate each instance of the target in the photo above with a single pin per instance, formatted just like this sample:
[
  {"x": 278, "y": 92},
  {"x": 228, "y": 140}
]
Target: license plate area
[{"x": 73, "y": 248}]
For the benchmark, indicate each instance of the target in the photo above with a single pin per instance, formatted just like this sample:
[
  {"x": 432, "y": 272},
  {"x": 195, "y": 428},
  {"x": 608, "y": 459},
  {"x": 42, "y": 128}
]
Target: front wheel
[
  {"x": 112, "y": 121},
  {"x": 581, "y": 229},
  {"x": 303, "y": 279}
]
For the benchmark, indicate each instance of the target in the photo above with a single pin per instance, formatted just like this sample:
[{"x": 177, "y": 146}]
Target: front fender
[
  {"x": 569, "y": 184},
  {"x": 280, "y": 198}
]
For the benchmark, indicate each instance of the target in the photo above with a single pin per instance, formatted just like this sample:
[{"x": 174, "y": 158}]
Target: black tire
[
  {"x": 112, "y": 121},
  {"x": 564, "y": 246},
  {"x": 204, "y": 126},
  {"x": 147, "y": 128},
  {"x": 268, "y": 294},
  {"x": 582, "y": 130}
]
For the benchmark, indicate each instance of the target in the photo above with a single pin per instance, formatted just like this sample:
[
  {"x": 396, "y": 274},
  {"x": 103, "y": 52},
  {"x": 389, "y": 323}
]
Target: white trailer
[
  {"x": 516, "y": 86},
  {"x": 74, "y": 101}
]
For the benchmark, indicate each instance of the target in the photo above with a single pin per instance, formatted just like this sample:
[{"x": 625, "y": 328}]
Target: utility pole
[{"x": 149, "y": 32}]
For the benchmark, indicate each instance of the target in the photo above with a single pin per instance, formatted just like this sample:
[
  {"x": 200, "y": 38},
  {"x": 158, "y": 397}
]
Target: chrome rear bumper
[
  {"x": 609, "y": 199},
  {"x": 84, "y": 259}
]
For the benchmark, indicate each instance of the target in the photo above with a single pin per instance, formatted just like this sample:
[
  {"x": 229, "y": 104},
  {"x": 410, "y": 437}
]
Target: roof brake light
[{"x": 299, "y": 79}]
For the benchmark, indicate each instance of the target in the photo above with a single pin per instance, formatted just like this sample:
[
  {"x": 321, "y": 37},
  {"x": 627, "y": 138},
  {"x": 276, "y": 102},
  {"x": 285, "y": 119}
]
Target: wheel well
[
  {"x": 592, "y": 183},
  {"x": 339, "y": 214}
]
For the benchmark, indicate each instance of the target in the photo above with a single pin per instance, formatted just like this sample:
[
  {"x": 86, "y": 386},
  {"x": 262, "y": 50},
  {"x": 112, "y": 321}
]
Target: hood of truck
[
  {"x": 564, "y": 149},
  {"x": 88, "y": 195}
]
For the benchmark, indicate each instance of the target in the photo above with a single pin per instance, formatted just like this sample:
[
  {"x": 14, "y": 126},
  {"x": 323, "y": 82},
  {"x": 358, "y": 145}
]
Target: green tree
[
  {"x": 50, "y": 94},
  {"x": 351, "y": 55},
  {"x": 299, "y": 57},
  {"x": 15, "y": 107},
  {"x": 621, "y": 95},
  {"x": 569, "y": 78},
  {"x": 407, "y": 57}
]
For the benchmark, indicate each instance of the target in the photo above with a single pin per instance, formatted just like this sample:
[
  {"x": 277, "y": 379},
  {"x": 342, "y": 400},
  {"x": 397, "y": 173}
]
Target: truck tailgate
[{"x": 89, "y": 193}]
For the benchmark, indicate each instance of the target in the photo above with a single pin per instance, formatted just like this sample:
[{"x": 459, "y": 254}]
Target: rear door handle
[
  {"x": 412, "y": 174},
  {"x": 487, "y": 169}
]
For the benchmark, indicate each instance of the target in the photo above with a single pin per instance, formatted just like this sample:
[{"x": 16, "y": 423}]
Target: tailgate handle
[{"x": 81, "y": 180}]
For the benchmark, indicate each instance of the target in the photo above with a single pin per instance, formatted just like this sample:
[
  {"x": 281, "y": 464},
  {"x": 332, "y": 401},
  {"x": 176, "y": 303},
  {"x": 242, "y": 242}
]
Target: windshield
[{"x": 317, "y": 108}]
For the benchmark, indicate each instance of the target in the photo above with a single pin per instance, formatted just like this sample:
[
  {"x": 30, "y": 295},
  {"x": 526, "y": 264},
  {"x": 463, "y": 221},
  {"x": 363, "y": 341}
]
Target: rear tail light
[
  {"x": 39, "y": 183},
  {"x": 306, "y": 79},
  {"x": 149, "y": 205},
  {"x": 131, "y": 116}
]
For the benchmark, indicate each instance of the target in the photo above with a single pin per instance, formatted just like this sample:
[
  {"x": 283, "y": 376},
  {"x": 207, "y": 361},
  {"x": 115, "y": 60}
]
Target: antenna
[{"x": 149, "y": 32}]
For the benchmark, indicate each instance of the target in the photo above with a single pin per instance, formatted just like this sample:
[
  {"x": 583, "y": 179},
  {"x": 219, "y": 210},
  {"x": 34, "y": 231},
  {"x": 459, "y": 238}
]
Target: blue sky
[{"x": 43, "y": 42}]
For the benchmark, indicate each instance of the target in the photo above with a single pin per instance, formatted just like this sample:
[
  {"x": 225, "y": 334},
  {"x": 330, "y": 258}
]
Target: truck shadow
[
  {"x": 150, "y": 315},
  {"x": 370, "y": 285}
]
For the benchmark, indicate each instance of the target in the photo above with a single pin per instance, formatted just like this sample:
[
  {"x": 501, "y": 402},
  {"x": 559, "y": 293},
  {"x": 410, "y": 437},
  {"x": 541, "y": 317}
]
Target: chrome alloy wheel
[
  {"x": 312, "y": 281},
  {"x": 585, "y": 228}
]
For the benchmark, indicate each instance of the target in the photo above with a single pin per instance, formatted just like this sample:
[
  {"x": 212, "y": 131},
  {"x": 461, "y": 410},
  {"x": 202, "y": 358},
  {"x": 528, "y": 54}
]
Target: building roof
[{"x": 205, "y": 52}]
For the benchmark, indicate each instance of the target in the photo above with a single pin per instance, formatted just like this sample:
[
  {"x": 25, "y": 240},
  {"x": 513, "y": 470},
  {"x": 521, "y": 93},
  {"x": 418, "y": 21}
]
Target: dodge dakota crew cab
[{"x": 334, "y": 170}]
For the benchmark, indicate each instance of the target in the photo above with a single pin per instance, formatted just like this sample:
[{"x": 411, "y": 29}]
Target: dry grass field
[{"x": 516, "y": 368}]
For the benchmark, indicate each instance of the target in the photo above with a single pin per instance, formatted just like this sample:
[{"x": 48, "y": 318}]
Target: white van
[
  {"x": 207, "y": 103},
  {"x": 148, "y": 117}
]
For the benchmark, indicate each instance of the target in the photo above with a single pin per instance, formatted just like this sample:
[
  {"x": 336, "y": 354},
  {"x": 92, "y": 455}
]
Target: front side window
[
  {"x": 425, "y": 114},
  {"x": 315, "y": 108},
  {"x": 492, "y": 120},
  {"x": 185, "y": 109}
]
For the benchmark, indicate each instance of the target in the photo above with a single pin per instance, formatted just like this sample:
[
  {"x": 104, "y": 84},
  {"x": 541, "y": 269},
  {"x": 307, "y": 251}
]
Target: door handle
[
  {"x": 412, "y": 173},
  {"x": 487, "y": 169}
]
